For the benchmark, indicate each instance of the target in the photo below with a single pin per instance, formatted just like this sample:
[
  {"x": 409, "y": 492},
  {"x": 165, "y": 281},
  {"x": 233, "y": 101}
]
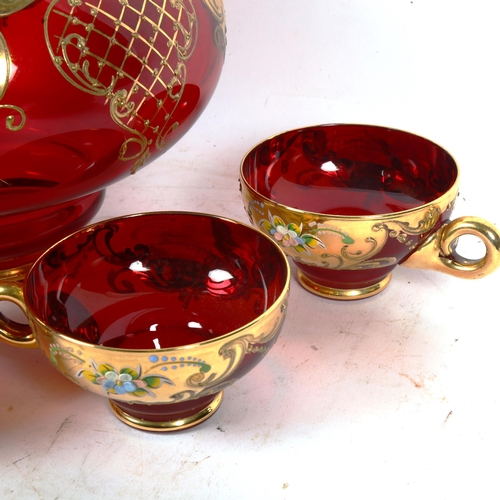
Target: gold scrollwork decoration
[
  {"x": 190, "y": 34},
  {"x": 217, "y": 9},
  {"x": 142, "y": 78},
  {"x": 353, "y": 258},
  {"x": 200, "y": 384},
  {"x": 400, "y": 230},
  {"x": 232, "y": 354},
  {"x": 81, "y": 73},
  {"x": 8, "y": 7},
  {"x": 425, "y": 224},
  {"x": 374, "y": 264},
  {"x": 175, "y": 89},
  {"x": 121, "y": 110},
  {"x": 9, "y": 121},
  {"x": 5, "y": 63},
  {"x": 346, "y": 259}
]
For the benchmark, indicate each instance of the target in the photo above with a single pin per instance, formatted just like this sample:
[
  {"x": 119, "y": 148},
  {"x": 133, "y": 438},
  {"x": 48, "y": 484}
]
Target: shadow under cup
[
  {"x": 159, "y": 312},
  {"x": 348, "y": 202}
]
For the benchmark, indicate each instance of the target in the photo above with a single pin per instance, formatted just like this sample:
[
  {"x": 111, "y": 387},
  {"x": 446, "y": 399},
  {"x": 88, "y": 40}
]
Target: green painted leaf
[
  {"x": 312, "y": 242},
  {"x": 155, "y": 381},
  {"x": 347, "y": 239},
  {"x": 205, "y": 368},
  {"x": 131, "y": 372},
  {"x": 88, "y": 375},
  {"x": 293, "y": 227},
  {"x": 267, "y": 225},
  {"x": 140, "y": 393},
  {"x": 277, "y": 221},
  {"x": 104, "y": 368}
]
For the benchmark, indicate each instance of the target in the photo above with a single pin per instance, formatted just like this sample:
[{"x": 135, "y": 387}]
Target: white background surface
[{"x": 393, "y": 397}]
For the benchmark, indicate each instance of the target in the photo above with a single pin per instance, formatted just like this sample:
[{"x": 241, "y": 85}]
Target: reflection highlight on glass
[
  {"x": 329, "y": 166},
  {"x": 138, "y": 266},
  {"x": 219, "y": 275},
  {"x": 220, "y": 282}
]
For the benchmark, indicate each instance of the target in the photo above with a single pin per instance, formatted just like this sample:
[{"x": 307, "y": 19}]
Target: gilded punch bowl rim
[
  {"x": 445, "y": 199},
  {"x": 221, "y": 338}
]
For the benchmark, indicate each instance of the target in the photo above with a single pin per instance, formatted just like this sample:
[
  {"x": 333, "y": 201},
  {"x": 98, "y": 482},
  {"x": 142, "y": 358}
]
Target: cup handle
[
  {"x": 439, "y": 253},
  {"x": 12, "y": 332}
]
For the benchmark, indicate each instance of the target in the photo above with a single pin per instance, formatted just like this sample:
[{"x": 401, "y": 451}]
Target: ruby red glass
[
  {"x": 350, "y": 170},
  {"x": 90, "y": 92},
  {"x": 167, "y": 412},
  {"x": 156, "y": 281}
]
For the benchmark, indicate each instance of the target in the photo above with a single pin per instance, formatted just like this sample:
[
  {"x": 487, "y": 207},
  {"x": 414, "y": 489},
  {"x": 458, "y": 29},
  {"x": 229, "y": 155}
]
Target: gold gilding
[
  {"x": 438, "y": 251},
  {"x": 4, "y": 66},
  {"x": 11, "y": 332},
  {"x": 344, "y": 242},
  {"x": 170, "y": 375},
  {"x": 12, "y": 122},
  {"x": 342, "y": 293},
  {"x": 169, "y": 425},
  {"x": 8, "y": 7},
  {"x": 217, "y": 9},
  {"x": 147, "y": 125},
  {"x": 420, "y": 237},
  {"x": 199, "y": 369}
]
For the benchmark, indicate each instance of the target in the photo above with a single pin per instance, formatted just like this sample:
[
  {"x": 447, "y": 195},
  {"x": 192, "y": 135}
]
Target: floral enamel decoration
[
  {"x": 125, "y": 381},
  {"x": 291, "y": 235}
]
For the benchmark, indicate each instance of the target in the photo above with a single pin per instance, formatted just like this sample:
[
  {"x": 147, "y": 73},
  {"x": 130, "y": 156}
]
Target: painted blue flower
[
  {"x": 126, "y": 381},
  {"x": 120, "y": 383}
]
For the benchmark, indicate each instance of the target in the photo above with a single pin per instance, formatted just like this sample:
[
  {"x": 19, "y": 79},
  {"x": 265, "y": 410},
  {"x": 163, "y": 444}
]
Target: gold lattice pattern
[{"x": 130, "y": 52}]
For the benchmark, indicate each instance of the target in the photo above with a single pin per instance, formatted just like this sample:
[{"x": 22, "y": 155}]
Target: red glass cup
[
  {"x": 350, "y": 202},
  {"x": 89, "y": 94},
  {"x": 158, "y": 312}
]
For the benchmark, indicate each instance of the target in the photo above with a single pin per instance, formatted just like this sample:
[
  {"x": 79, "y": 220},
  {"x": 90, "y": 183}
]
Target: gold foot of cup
[
  {"x": 342, "y": 293},
  {"x": 178, "y": 423}
]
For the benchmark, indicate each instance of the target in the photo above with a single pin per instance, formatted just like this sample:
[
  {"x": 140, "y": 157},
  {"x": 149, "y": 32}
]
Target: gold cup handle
[
  {"x": 439, "y": 253},
  {"x": 10, "y": 331}
]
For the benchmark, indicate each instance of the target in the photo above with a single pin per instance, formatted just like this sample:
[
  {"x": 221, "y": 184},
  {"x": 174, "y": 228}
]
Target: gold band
[
  {"x": 342, "y": 293},
  {"x": 169, "y": 425}
]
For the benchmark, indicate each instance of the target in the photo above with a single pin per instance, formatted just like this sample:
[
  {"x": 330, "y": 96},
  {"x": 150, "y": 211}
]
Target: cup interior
[
  {"x": 349, "y": 170},
  {"x": 156, "y": 281}
]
